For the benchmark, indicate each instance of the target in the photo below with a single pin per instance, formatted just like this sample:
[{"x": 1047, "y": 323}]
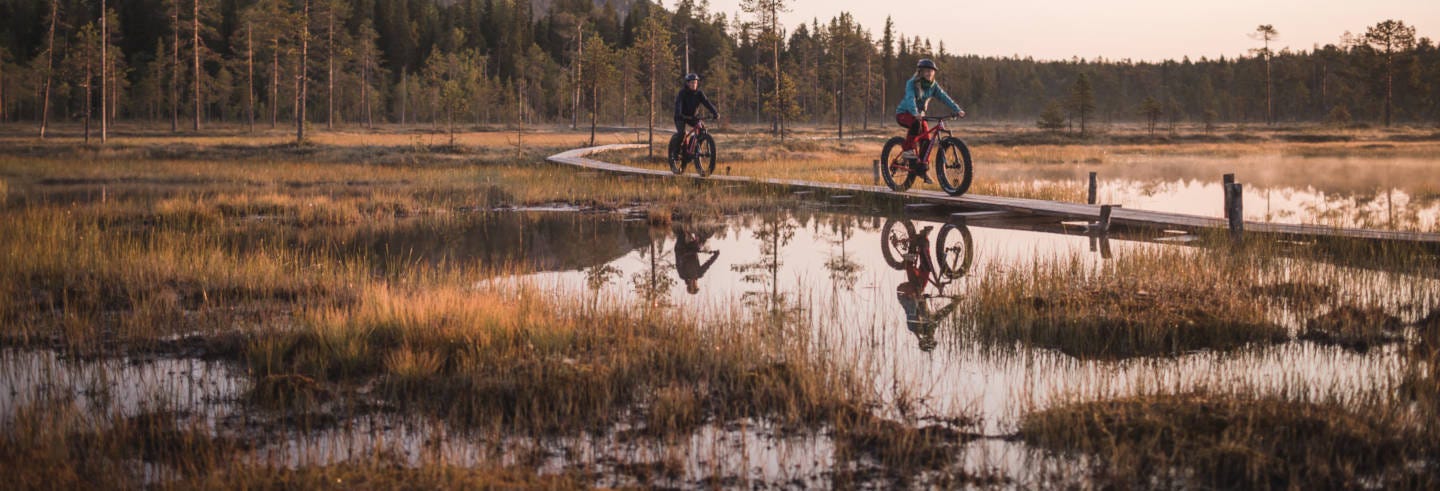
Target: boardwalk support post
[
  {"x": 1091, "y": 199},
  {"x": 1104, "y": 225},
  {"x": 875, "y": 166},
  {"x": 1235, "y": 210},
  {"x": 1225, "y": 183}
]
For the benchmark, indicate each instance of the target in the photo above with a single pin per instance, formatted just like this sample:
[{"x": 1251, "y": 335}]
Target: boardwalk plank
[{"x": 1065, "y": 211}]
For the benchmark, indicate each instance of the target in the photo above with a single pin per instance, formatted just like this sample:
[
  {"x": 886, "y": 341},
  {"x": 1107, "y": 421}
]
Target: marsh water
[
  {"x": 1366, "y": 188},
  {"x": 833, "y": 276}
]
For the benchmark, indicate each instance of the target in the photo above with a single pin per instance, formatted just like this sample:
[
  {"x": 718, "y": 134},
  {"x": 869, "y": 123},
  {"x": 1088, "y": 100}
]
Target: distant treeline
[{"x": 191, "y": 62}]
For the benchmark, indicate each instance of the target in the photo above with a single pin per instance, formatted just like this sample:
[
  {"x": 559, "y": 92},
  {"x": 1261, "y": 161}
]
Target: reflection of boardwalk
[{"x": 1074, "y": 211}]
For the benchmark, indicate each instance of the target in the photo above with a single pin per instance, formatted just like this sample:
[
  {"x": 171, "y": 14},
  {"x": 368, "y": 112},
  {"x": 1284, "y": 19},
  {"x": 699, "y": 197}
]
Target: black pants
[{"x": 680, "y": 124}]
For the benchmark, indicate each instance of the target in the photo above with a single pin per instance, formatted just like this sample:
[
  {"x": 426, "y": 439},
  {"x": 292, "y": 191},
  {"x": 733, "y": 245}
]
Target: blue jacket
[{"x": 916, "y": 99}]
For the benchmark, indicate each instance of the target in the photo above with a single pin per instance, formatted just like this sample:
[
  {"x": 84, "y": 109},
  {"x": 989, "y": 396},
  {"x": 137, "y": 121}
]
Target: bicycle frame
[
  {"x": 918, "y": 263},
  {"x": 932, "y": 136},
  {"x": 687, "y": 146}
]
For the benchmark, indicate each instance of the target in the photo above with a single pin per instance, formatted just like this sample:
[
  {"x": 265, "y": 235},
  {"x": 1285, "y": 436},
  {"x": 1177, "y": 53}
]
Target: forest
[{"x": 343, "y": 63}]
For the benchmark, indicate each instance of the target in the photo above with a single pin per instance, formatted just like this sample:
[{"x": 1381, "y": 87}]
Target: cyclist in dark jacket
[{"x": 688, "y": 102}]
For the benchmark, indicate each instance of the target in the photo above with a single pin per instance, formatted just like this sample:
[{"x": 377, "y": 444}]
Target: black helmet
[
  {"x": 692, "y": 77},
  {"x": 926, "y": 63}
]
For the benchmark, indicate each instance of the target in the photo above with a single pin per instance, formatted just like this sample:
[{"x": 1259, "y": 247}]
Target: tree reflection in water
[
  {"x": 653, "y": 284},
  {"x": 774, "y": 233}
]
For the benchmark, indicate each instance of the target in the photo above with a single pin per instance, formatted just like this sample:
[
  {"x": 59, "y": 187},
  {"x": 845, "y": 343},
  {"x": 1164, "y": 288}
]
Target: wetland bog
[{"x": 370, "y": 308}]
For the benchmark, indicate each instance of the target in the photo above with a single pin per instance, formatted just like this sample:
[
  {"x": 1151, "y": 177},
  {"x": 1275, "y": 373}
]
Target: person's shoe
[{"x": 923, "y": 171}]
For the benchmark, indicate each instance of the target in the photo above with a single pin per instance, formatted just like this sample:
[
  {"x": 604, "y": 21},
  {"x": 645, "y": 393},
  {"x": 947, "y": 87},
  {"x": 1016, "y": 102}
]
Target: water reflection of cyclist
[
  {"x": 920, "y": 273},
  {"x": 688, "y": 246}
]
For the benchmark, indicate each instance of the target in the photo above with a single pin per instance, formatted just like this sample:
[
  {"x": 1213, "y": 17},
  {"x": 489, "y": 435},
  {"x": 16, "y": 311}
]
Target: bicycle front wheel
[
  {"x": 894, "y": 169},
  {"x": 676, "y": 165},
  {"x": 705, "y": 155},
  {"x": 895, "y": 241},
  {"x": 952, "y": 166},
  {"x": 955, "y": 250}
]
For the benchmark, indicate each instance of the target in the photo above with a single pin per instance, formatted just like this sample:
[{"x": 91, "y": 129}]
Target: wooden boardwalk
[{"x": 1064, "y": 211}]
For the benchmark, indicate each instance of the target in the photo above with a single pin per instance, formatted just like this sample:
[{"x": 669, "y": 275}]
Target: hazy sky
[{"x": 1136, "y": 29}]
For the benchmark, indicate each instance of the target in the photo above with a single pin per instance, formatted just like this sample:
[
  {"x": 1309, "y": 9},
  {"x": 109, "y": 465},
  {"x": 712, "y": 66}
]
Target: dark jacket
[
  {"x": 687, "y": 102},
  {"x": 687, "y": 255}
]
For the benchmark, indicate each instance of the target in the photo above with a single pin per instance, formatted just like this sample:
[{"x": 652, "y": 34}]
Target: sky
[{"x": 1146, "y": 30}]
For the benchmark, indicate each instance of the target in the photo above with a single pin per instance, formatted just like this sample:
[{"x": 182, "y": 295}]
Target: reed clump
[
  {"x": 1122, "y": 308},
  {"x": 1236, "y": 442},
  {"x": 1354, "y": 328},
  {"x": 484, "y": 357},
  {"x": 54, "y": 443}
]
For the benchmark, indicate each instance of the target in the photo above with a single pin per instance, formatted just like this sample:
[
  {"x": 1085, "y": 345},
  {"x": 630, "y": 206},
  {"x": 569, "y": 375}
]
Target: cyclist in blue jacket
[{"x": 911, "y": 112}]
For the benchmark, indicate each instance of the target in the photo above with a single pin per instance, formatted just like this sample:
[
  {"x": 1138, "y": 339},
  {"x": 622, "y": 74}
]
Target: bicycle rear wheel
[
  {"x": 894, "y": 169},
  {"x": 705, "y": 155},
  {"x": 952, "y": 166},
  {"x": 676, "y": 165}
]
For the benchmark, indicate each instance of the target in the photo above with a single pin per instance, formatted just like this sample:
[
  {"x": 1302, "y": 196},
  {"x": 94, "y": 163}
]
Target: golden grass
[
  {"x": 1237, "y": 442},
  {"x": 1121, "y": 308}
]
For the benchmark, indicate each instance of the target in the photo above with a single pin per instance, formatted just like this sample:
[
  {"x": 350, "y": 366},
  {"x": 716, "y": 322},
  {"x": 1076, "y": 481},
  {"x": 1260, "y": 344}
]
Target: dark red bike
[
  {"x": 952, "y": 160},
  {"x": 695, "y": 146}
]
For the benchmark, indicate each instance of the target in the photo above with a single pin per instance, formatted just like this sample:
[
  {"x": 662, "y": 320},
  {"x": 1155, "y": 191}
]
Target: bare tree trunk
[
  {"x": 175, "y": 69},
  {"x": 840, "y": 97},
  {"x": 594, "y": 108},
  {"x": 300, "y": 82},
  {"x": 275, "y": 83},
  {"x": 4, "y": 111},
  {"x": 249, "y": 77},
  {"x": 195, "y": 52},
  {"x": 869, "y": 82},
  {"x": 404, "y": 94},
  {"x": 365, "y": 87},
  {"x": 88, "y": 80},
  {"x": 49, "y": 68},
  {"x": 624, "y": 99},
  {"x": 1389, "y": 83},
  {"x": 779, "y": 104},
  {"x": 330, "y": 67},
  {"x": 651, "y": 126},
  {"x": 579, "y": 52},
  {"x": 104, "y": 82},
  {"x": 519, "y": 115}
]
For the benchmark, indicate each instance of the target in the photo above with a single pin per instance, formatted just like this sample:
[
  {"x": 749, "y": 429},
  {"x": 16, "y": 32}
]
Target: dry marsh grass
[
  {"x": 245, "y": 261},
  {"x": 1238, "y": 442},
  {"x": 1122, "y": 308}
]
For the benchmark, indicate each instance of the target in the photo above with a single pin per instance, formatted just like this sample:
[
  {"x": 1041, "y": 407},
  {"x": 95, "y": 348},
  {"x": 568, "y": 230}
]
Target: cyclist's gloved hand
[{"x": 960, "y": 114}]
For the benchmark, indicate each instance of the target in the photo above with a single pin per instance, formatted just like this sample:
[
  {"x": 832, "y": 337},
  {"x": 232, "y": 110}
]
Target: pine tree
[
  {"x": 1082, "y": 100},
  {"x": 653, "y": 45},
  {"x": 1392, "y": 39},
  {"x": 767, "y": 15}
]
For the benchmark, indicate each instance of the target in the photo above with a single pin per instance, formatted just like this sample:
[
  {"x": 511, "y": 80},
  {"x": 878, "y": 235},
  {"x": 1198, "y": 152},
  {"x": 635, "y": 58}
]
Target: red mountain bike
[
  {"x": 952, "y": 162},
  {"x": 695, "y": 146}
]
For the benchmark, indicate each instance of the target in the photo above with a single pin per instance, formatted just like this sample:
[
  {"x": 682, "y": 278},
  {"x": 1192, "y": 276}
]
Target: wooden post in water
[
  {"x": 1235, "y": 210},
  {"x": 1104, "y": 225},
  {"x": 1091, "y": 199},
  {"x": 875, "y": 166},
  {"x": 1225, "y": 183}
]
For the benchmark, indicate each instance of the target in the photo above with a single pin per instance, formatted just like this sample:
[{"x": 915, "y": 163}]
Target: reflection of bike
[
  {"x": 697, "y": 146},
  {"x": 952, "y": 162},
  {"x": 908, "y": 250},
  {"x": 954, "y": 249}
]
